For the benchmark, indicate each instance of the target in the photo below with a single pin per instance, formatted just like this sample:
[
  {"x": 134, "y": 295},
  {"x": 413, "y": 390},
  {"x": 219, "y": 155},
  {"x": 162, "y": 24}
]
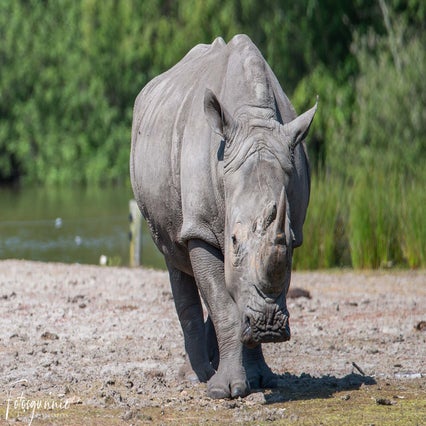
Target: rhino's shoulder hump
[{"x": 242, "y": 41}]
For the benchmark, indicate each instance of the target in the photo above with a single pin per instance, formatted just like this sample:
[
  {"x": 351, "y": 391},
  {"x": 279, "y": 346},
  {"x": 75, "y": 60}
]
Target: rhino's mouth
[{"x": 264, "y": 322}]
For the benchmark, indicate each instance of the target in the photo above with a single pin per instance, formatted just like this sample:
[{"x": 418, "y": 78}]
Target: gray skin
[{"x": 224, "y": 187}]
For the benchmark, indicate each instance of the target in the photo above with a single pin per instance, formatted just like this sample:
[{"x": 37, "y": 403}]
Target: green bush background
[{"x": 71, "y": 69}]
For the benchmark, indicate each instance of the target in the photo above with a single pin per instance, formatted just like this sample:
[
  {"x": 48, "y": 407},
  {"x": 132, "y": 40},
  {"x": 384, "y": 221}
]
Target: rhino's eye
[
  {"x": 237, "y": 251},
  {"x": 234, "y": 240},
  {"x": 236, "y": 245}
]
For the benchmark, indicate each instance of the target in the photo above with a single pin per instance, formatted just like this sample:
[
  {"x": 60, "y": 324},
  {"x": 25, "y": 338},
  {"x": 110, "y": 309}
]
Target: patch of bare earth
[{"x": 94, "y": 345}]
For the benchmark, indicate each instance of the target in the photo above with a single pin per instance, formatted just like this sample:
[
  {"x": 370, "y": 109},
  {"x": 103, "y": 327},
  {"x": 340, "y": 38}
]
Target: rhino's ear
[
  {"x": 220, "y": 121},
  {"x": 297, "y": 129}
]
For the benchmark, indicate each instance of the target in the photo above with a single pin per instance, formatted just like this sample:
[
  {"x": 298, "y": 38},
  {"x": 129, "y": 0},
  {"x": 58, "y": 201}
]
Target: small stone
[
  {"x": 74, "y": 400},
  {"x": 421, "y": 326},
  {"x": 8, "y": 296},
  {"x": 296, "y": 292},
  {"x": 408, "y": 375},
  {"x": 384, "y": 401},
  {"x": 231, "y": 404},
  {"x": 255, "y": 398},
  {"x": 128, "y": 415},
  {"x": 47, "y": 335}
]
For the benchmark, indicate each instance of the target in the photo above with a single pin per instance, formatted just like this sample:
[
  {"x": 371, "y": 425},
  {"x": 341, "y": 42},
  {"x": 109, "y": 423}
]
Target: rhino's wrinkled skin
[{"x": 220, "y": 172}]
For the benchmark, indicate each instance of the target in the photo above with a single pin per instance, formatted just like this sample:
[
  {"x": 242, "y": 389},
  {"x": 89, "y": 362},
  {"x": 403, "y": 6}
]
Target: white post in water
[{"x": 135, "y": 218}]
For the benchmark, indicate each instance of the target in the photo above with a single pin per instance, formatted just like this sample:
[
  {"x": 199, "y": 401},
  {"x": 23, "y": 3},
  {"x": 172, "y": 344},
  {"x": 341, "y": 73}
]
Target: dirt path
[{"x": 92, "y": 345}]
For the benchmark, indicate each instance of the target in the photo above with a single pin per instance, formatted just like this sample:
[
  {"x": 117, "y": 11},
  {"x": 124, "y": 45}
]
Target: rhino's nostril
[
  {"x": 247, "y": 332},
  {"x": 246, "y": 326}
]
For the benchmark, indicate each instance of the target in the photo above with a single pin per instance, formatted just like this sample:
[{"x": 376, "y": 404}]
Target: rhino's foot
[
  {"x": 259, "y": 375},
  {"x": 228, "y": 383},
  {"x": 203, "y": 374}
]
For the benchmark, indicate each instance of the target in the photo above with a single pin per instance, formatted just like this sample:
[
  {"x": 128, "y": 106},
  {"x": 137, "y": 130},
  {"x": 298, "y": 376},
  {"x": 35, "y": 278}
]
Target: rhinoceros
[{"x": 220, "y": 172}]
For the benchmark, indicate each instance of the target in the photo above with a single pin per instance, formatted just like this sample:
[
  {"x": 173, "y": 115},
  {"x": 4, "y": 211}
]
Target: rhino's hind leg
[
  {"x": 190, "y": 313},
  {"x": 186, "y": 372},
  {"x": 259, "y": 375}
]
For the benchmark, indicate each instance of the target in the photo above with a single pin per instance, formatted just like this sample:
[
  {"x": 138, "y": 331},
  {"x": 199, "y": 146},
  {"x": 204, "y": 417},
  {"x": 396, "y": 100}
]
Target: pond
[{"x": 72, "y": 225}]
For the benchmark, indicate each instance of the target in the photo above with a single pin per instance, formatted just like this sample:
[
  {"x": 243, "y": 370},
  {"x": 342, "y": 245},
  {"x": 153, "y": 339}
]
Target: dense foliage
[{"x": 70, "y": 71}]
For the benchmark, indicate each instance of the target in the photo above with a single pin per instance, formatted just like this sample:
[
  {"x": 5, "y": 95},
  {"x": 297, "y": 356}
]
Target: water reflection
[{"x": 69, "y": 225}]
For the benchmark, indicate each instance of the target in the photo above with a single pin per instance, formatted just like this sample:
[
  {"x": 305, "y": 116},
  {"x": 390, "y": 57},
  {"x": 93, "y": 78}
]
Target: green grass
[{"x": 375, "y": 220}]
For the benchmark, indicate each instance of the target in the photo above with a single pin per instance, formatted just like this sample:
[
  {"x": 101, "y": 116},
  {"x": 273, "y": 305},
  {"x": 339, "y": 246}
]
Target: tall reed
[
  {"x": 377, "y": 219},
  {"x": 413, "y": 223},
  {"x": 324, "y": 244},
  {"x": 373, "y": 222}
]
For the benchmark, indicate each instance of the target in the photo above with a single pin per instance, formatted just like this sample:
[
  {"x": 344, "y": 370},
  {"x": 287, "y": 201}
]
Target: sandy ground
[{"x": 109, "y": 339}]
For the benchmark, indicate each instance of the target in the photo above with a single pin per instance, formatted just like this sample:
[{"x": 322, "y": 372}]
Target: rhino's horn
[{"x": 279, "y": 226}]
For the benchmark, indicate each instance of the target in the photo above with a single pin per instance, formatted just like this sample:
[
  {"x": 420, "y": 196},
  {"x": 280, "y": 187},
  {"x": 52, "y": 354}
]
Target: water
[{"x": 70, "y": 225}]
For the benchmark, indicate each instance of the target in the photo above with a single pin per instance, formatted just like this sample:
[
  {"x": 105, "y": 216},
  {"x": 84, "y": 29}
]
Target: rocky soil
[{"x": 103, "y": 345}]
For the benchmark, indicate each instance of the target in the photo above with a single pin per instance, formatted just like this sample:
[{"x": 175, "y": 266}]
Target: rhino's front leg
[
  {"x": 207, "y": 264},
  {"x": 190, "y": 313}
]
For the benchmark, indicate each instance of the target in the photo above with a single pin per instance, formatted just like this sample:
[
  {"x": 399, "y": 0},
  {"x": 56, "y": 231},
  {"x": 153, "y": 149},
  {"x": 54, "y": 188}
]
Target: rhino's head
[{"x": 258, "y": 163}]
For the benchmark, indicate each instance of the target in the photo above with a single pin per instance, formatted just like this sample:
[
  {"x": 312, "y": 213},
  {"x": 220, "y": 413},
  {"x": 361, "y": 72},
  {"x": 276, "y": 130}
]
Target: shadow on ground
[{"x": 305, "y": 386}]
